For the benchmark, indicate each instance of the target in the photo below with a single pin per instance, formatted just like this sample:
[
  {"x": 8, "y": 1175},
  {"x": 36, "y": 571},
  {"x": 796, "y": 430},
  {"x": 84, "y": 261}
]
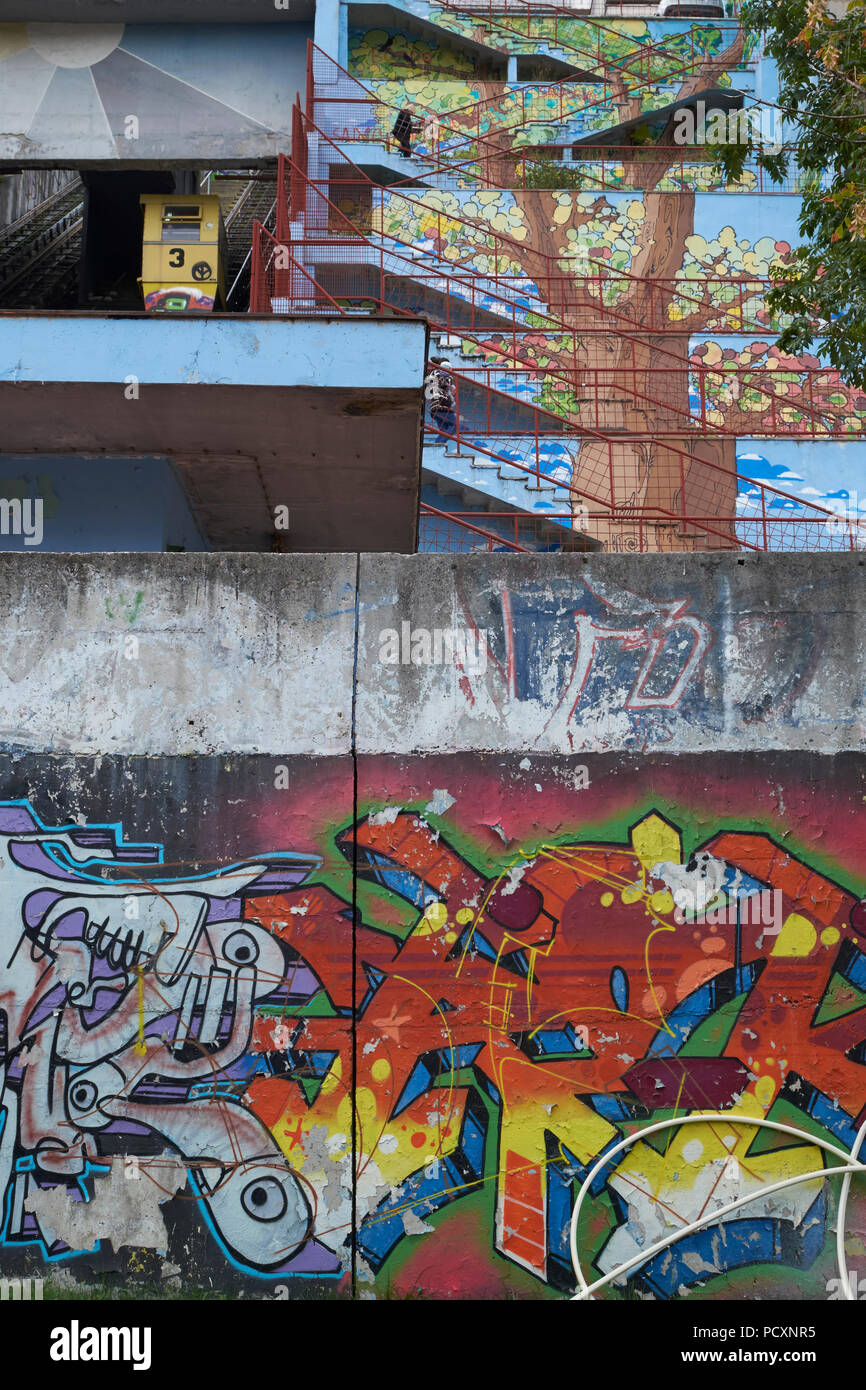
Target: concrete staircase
[
  {"x": 485, "y": 469},
  {"x": 494, "y": 514}
]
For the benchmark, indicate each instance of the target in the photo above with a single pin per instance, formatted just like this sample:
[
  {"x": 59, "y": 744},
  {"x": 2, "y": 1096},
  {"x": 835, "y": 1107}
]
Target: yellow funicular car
[{"x": 184, "y": 254}]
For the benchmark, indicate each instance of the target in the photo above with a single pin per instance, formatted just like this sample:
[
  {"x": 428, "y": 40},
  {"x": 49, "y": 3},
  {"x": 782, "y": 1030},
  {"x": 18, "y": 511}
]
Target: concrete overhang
[
  {"x": 714, "y": 98},
  {"x": 154, "y": 11},
  {"x": 408, "y": 19},
  {"x": 320, "y": 415}
]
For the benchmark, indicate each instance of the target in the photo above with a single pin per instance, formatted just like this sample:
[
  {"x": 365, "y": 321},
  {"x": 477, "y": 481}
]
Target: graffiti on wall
[
  {"x": 486, "y": 1028},
  {"x": 128, "y": 1005},
  {"x": 584, "y": 1001}
]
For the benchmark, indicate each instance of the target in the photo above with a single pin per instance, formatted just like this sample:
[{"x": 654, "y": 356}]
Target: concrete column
[
  {"x": 330, "y": 19},
  {"x": 343, "y": 55},
  {"x": 511, "y": 74}
]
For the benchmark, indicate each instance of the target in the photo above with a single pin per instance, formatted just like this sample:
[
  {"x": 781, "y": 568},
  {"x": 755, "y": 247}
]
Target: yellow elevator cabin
[{"x": 183, "y": 253}]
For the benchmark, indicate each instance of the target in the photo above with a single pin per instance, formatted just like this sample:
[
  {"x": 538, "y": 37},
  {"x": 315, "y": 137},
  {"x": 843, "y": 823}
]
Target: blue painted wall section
[{"x": 97, "y": 504}]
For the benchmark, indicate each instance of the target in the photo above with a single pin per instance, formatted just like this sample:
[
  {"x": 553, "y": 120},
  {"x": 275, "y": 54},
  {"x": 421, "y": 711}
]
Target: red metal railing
[
  {"x": 481, "y": 158},
  {"x": 606, "y": 477},
  {"x": 688, "y": 497},
  {"x": 460, "y": 532},
  {"x": 777, "y": 402},
  {"x": 542, "y": 9},
  {"x": 364, "y": 274},
  {"x": 468, "y": 532},
  {"x": 605, "y": 493},
  {"x": 689, "y": 168},
  {"x": 538, "y": 18},
  {"x": 330, "y": 85},
  {"x": 603, "y": 487},
  {"x": 560, "y": 290},
  {"x": 280, "y": 284}
]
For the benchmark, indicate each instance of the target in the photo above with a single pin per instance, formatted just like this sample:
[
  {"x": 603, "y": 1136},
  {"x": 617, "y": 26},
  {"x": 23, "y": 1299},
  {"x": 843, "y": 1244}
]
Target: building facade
[{"x": 385, "y": 916}]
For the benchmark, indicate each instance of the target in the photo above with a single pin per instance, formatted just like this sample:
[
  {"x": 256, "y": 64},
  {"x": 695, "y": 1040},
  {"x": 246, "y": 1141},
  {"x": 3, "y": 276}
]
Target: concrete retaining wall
[{"x": 593, "y": 857}]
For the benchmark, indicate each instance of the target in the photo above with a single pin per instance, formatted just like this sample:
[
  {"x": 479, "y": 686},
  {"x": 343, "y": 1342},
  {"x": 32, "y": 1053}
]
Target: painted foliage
[
  {"x": 645, "y": 69},
  {"x": 660, "y": 246}
]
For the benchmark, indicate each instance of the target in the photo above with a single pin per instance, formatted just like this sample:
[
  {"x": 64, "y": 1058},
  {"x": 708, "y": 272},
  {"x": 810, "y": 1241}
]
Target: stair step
[{"x": 512, "y": 474}]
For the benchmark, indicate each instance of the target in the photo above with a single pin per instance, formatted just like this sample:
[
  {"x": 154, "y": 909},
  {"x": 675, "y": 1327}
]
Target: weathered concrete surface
[
  {"x": 581, "y": 654},
  {"x": 368, "y": 354},
  {"x": 199, "y": 91},
  {"x": 430, "y": 979},
  {"x": 154, "y": 11},
  {"x": 322, "y": 417},
  {"x": 176, "y": 653},
  {"x": 599, "y": 653}
]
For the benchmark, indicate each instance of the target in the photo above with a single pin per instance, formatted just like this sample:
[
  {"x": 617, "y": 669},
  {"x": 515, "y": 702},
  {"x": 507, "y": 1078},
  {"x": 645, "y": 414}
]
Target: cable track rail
[
  {"x": 12, "y": 278},
  {"x": 46, "y": 228},
  {"x": 24, "y": 223}
]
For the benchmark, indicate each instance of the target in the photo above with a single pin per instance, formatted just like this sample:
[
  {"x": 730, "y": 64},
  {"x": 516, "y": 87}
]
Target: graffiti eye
[
  {"x": 264, "y": 1199},
  {"x": 83, "y": 1095},
  {"x": 241, "y": 948}
]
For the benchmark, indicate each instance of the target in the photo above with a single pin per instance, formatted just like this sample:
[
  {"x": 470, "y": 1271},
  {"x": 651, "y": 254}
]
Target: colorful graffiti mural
[
  {"x": 614, "y": 1035},
  {"x": 128, "y": 1008},
  {"x": 177, "y": 299},
  {"x": 414, "y": 1091}
]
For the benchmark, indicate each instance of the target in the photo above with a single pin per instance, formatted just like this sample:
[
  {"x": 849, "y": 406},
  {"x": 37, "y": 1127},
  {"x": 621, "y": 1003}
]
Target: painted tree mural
[
  {"x": 639, "y": 464},
  {"x": 617, "y": 64},
  {"x": 634, "y": 252},
  {"x": 757, "y": 390}
]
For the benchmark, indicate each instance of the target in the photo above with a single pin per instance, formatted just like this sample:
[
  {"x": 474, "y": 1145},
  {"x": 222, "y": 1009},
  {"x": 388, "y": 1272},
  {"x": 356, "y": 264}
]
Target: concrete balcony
[
  {"x": 321, "y": 417},
  {"x": 153, "y": 11}
]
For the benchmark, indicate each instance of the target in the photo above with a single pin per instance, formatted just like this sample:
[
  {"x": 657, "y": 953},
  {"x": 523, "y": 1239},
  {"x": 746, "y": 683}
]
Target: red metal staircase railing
[
  {"x": 647, "y": 466},
  {"x": 786, "y": 403},
  {"x": 491, "y": 12},
  {"x": 603, "y": 168},
  {"x": 701, "y": 478},
  {"x": 475, "y": 152},
  {"x": 558, "y": 282}
]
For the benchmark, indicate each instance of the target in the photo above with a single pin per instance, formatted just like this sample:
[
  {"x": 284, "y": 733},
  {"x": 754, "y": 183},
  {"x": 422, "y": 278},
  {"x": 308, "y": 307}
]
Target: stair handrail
[
  {"x": 600, "y": 23},
  {"x": 443, "y": 118},
  {"x": 584, "y": 431},
  {"x": 631, "y": 337},
  {"x": 425, "y": 509},
  {"x": 514, "y": 248}
]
